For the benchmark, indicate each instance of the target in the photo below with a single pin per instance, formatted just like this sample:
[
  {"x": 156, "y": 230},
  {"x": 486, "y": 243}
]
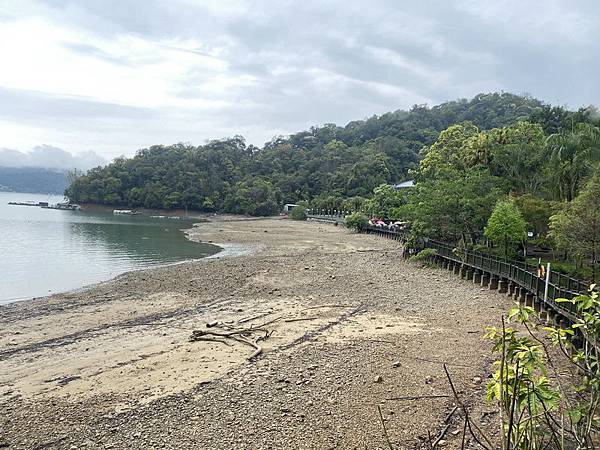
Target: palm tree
[{"x": 572, "y": 153}]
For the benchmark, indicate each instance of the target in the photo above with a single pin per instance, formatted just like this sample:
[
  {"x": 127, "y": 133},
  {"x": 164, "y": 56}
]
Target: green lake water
[{"x": 44, "y": 251}]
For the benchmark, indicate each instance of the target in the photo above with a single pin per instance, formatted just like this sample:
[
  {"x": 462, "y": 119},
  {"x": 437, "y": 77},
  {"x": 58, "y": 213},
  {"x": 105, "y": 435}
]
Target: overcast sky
[{"x": 113, "y": 76}]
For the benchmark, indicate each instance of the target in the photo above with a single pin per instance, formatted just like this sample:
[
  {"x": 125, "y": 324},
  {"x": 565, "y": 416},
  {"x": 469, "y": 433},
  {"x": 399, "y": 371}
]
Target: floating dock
[{"x": 38, "y": 204}]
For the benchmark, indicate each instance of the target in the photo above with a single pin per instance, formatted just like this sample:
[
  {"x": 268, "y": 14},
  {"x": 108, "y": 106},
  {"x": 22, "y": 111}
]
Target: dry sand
[{"x": 112, "y": 366}]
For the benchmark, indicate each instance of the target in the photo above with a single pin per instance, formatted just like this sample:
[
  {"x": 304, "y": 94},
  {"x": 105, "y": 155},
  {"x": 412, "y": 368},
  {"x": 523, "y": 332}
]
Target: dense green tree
[
  {"x": 571, "y": 153},
  {"x": 453, "y": 207},
  {"x": 550, "y": 118},
  {"x": 448, "y": 151},
  {"x": 536, "y": 211},
  {"x": 384, "y": 201},
  {"x": 353, "y": 204},
  {"x": 553, "y": 119},
  {"x": 327, "y": 203},
  {"x": 576, "y": 228},
  {"x": 513, "y": 153},
  {"x": 506, "y": 225},
  {"x": 256, "y": 197}
]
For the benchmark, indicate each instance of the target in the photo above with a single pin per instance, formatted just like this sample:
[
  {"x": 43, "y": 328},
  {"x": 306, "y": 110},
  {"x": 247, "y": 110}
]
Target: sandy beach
[{"x": 345, "y": 326}]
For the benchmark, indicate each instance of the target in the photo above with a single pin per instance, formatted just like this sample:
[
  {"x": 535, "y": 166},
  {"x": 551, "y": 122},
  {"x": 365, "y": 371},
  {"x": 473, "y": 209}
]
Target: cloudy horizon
[
  {"x": 113, "y": 76},
  {"x": 50, "y": 157}
]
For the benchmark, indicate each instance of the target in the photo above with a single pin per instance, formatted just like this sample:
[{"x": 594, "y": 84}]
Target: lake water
[{"x": 44, "y": 251}]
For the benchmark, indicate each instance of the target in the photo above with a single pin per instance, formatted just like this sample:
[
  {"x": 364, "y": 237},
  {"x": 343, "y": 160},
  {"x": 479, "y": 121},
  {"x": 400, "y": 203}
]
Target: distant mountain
[{"x": 33, "y": 180}]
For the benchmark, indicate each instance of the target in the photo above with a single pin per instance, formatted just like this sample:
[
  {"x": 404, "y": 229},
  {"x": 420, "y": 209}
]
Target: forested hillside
[
  {"x": 476, "y": 163},
  {"x": 533, "y": 184},
  {"x": 325, "y": 165}
]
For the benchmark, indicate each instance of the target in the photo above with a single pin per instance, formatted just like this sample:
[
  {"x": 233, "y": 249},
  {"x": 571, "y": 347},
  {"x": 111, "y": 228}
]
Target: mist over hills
[
  {"x": 43, "y": 169},
  {"x": 35, "y": 180},
  {"x": 50, "y": 157}
]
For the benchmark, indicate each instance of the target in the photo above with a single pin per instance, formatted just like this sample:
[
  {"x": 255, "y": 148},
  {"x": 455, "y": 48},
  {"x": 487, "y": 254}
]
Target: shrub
[
  {"x": 536, "y": 406},
  {"x": 356, "y": 221},
  {"x": 571, "y": 270},
  {"x": 424, "y": 255},
  {"x": 298, "y": 213}
]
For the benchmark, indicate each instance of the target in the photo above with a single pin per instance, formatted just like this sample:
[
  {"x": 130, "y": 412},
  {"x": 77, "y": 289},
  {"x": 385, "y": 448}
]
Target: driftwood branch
[
  {"x": 257, "y": 348},
  {"x": 210, "y": 339},
  {"x": 440, "y": 436},
  {"x": 220, "y": 331},
  {"x": 239, "y": 335},
  {"x": 199, "y": 333},
  {"x": 259, "y": 316},
  {"x": 445, "y": 429},
  {"x": 298, "y": 319}
]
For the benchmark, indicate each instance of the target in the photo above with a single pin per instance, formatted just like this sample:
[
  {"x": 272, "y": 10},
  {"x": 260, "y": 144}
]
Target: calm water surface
[{"x": 44, "y": 251}]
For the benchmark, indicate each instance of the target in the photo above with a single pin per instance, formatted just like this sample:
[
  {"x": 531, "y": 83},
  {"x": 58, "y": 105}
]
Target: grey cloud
[
  {"x": 464, "y": 42},
  {"x": 313, "y": 62},
  {"x": 154, "y": 18},
  {"x": 21, "y": 105},
  {"x": 50, "y": 157}
]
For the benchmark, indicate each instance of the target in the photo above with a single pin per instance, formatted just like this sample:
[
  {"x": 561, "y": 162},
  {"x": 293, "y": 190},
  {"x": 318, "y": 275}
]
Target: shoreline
[
  {"x": 231, "y": 251},
  {"x": 347, "y": 329},
  {"x": 195, "y": 215}
]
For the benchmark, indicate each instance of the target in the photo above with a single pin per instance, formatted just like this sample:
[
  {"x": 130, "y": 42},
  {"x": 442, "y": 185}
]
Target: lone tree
[
  {"x": 506, "y": 225},
  {"x": 576, "y": 229}
]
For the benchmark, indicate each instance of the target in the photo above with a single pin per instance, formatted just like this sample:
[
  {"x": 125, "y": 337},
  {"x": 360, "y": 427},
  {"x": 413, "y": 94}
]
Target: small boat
[
  {"x": 167, "y": 217},
  {"x": 127, "y": 212}
]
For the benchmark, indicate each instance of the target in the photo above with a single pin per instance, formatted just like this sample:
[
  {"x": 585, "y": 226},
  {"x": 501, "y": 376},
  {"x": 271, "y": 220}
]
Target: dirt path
[{"x": 112, "y": 367}]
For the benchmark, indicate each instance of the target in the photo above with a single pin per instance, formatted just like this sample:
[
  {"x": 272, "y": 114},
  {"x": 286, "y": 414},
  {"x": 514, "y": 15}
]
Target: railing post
[
  {"x": 547, "y": 282},
  {"x": 493, "y": 282},
  {"x": 511, "y": 289},
  {"x": 502, "y": 285},
  {"x": 528, "y": 299}
]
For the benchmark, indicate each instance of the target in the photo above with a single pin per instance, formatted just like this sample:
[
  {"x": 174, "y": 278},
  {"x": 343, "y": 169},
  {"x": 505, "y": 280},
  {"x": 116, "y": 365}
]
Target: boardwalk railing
[
  {"x": 521, "y": 276},
  {"x": 519, "y": 273}
]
